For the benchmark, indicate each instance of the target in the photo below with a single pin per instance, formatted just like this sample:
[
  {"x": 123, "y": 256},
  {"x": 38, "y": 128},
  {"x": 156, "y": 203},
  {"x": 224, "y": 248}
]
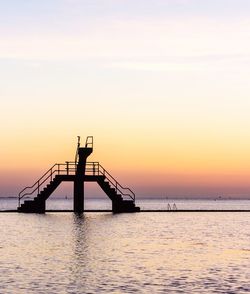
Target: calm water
[{"x": 126, "y": 253}]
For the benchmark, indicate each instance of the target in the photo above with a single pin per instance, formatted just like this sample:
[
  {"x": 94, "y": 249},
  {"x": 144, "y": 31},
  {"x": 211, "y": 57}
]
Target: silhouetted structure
[{"x": 78, "y": 172}]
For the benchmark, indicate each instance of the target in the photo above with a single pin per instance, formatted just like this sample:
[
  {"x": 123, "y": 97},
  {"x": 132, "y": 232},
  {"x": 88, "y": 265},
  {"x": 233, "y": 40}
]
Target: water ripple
[{"x": 138, "y": 253}]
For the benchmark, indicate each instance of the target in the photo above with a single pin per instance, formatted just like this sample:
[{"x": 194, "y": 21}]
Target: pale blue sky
[{"x": 38, "y": 10}]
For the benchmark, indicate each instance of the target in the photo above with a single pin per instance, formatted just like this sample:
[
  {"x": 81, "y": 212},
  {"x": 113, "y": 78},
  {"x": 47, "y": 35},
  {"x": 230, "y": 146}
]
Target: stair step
[{"x": 125, "y": 206}]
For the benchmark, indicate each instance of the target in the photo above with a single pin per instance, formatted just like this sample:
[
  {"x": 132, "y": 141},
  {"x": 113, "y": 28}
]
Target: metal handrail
[
  {"x": 95, "y": 168},
  {"x": 89, "y": 142},
  {"x": 48, "y": 174},
  {"x": 39, "y": 183},
  {"x": 102, "y": 171}
]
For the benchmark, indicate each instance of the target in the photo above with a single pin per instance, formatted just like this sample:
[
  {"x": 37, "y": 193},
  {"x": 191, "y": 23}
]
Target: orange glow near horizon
[{"x": 150, "y": 168}]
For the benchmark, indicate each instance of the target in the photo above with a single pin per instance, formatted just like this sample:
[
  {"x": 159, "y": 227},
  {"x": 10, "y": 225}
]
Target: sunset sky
[{"x": 162, "y": 85}]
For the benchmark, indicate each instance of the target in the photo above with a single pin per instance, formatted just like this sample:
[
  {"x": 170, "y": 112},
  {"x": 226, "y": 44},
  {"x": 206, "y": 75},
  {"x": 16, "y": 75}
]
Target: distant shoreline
[
  {"x": 145, "y": 198},
  {"x": 146, "y": 210}
]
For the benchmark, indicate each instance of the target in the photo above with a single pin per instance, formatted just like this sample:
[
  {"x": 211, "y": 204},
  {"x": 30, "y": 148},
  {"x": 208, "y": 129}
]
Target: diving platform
[{"x": 78, "y": 172}]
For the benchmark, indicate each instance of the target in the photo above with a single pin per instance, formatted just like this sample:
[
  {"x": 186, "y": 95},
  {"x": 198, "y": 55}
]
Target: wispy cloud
[{"x": 117, "y": 39}]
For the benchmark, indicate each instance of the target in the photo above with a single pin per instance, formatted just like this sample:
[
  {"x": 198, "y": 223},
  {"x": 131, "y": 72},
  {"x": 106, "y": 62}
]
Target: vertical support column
[
  {"x": 78, "y": 195},
  {"x": 83, "y": 153}
]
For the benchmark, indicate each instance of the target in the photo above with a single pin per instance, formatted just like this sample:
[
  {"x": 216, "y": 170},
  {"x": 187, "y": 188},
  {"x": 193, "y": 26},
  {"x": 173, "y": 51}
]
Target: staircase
[
  {"x": 123, "y": 199},
  {"x": 119, "y": 203},
  {"x": 44, "y": 187},
  {"x": 38, "y": 203}
]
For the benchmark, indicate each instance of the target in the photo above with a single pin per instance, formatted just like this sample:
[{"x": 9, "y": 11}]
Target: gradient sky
[{"x": 162, "y": 85}]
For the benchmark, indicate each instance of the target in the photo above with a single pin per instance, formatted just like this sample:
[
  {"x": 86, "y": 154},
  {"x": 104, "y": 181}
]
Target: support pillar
[
  {"x": 78, "y": 195},
  {"x": 83, "y": 153}
]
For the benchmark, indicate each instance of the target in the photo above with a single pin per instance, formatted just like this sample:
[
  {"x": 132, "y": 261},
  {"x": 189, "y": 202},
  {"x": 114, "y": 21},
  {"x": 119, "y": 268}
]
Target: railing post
[
  {"x": 58, "y": 168},
  {"x": 51, "y": 174},
  {"x": 98, "y": 168},
  {"x": 38, "y": 187},
  {"x": 67, "y": 167}
]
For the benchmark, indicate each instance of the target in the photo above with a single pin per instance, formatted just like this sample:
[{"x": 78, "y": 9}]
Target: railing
[
  {"x": 95, "y": 169},
  {"x": 66, "y": 168},
  {"x": 69, "y": 168},
  {"x": 89, "y": 142}
]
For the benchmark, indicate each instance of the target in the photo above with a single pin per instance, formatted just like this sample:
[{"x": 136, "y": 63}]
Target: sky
[{"x": 163, "y": 86}]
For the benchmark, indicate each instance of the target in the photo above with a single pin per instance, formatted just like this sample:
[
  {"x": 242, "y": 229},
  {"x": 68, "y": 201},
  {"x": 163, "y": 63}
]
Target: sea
[{"x": 146, "y": 252}]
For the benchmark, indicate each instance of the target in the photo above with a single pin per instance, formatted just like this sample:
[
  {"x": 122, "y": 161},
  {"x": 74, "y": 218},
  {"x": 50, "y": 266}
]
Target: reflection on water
[{"x": 126, "y": 253}]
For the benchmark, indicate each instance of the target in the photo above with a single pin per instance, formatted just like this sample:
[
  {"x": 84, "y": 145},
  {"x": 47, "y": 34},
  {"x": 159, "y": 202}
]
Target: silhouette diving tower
[{"x": 78, "y": 172}]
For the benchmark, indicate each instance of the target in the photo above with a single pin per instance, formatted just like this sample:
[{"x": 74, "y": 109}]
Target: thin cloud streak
[{"x": 133, "y": 40}]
